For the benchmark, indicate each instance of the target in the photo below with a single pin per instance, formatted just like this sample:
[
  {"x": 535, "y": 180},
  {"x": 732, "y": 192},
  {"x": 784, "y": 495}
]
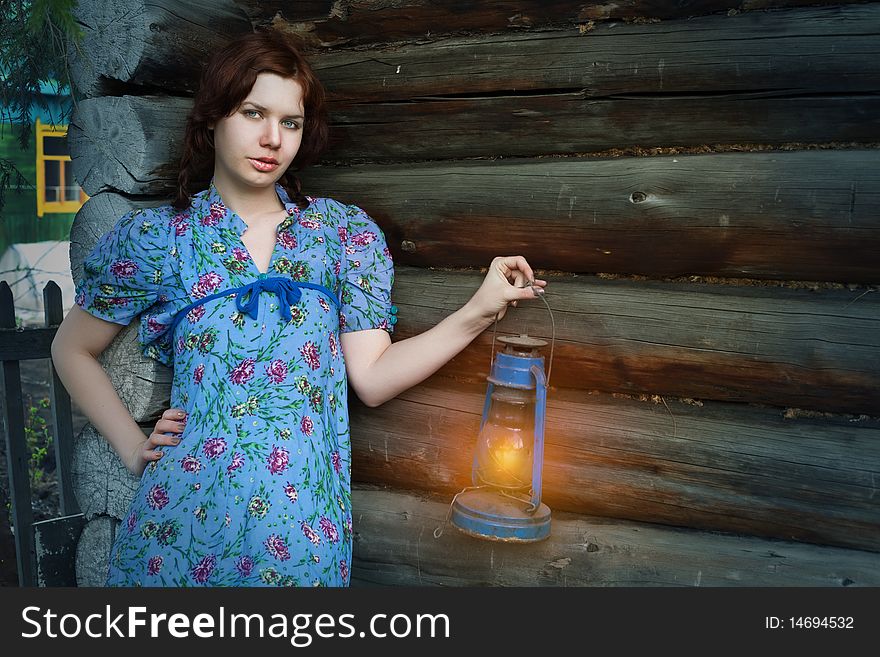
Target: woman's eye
[
  {"x": 251, "y": 113},
  {"x": 290, "y": 124}
]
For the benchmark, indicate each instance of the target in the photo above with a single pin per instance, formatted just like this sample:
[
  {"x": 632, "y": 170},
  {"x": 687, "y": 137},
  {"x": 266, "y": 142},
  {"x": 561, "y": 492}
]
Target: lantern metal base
[{"x": 495, "y": 517}]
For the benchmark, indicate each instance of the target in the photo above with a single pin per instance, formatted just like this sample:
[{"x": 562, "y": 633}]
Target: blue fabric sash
[{"x": 247, "y": 298}]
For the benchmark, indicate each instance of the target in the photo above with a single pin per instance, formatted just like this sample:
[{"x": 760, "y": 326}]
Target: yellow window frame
[{"x": 49, "y": 207}]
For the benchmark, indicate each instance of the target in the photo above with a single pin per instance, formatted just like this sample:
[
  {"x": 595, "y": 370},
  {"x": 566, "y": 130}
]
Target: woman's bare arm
[{"x": 80, "y": 340}]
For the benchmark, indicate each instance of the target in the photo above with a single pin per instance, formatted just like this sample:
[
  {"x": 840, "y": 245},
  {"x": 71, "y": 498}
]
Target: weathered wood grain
[
  {"x": 808, "y": 215},
  {"x": 149, "y": 42},
  {"x": 800, "y": 51},
  {"x": 394, "y": 544},
  {"x": 332, "y": 23},
  {"x": 102, "y": 484},
  {"x": 769, "y": 345},
  {"x": 572, "y": 123},
  {"x": 127, "y": 143}
]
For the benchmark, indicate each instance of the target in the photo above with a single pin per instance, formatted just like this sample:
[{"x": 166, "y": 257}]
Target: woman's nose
[{"x": 271, "y": 136}]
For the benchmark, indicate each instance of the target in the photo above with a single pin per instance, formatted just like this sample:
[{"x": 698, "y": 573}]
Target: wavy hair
[{"x": 226, "y": 81}]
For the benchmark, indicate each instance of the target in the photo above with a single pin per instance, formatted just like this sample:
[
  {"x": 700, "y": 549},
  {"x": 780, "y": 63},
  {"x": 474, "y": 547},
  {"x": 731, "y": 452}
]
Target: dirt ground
[{"x": 35, "y": 377}]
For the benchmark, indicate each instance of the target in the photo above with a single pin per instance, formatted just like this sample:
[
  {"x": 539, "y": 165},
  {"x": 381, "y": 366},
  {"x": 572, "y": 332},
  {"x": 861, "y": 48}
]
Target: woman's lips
[{"x": 265, "y": 167}]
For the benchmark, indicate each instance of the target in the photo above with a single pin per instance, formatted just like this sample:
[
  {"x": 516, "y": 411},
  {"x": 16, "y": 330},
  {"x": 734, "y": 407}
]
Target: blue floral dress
[{"x": 257, "y": 493}]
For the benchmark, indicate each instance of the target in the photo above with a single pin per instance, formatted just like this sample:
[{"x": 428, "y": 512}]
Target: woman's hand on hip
[{"x": 167, "y": 431}]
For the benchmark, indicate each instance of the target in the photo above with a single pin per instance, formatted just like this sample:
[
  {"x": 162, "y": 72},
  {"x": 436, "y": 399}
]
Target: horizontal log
[
  {"x": 807, "y": 215},
  {"x": 789, "y": 215},
  {"x": 149, "y": 42},
  {"x": 323, "y": 23},
  {"x": 716, "y": 467},
  {"x": 572, "y": 123},
  {"x": 785, "y": 347},
  {"x": 394, "y": 545},
  {"x": 798, "y": 51}
]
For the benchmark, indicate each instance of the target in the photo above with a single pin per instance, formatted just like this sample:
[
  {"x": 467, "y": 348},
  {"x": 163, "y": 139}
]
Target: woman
[{"x": 266, "y": 302}]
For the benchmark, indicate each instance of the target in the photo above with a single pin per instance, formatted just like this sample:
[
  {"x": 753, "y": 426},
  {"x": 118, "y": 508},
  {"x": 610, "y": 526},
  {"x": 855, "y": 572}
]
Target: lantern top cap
[{"x": 523, "y": 341}]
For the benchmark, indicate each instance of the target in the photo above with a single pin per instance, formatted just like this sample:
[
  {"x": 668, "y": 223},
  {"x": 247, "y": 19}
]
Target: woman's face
[{"x": 255, "y": 144}]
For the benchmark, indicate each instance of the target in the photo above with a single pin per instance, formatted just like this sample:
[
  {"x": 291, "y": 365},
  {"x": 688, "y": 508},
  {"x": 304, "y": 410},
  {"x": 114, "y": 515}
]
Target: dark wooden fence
[{"x": 45, "y": 550}]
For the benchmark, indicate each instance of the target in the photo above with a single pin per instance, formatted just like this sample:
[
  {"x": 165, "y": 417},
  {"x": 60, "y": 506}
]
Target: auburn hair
[{"x": 226, "y": 81}]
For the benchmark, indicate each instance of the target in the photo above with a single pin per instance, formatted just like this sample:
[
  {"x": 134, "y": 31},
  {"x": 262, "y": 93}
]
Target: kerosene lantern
[{"x": 504, "y": 503}]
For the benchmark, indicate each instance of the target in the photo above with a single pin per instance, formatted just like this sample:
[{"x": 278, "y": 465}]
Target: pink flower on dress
[
  {"x": 290, "y": 491},
  {"x": 237, "y": 462},
  {"x": 154, "y": 565},
  {"x": 329, "y": 529},
  {"x": 124, "y": 268},
  {"x": 243, "y": 372},
  {"x": 206, "y": 284},
  {"x": 343, "y": 570},
  {"x": 343, "y": 233},
  {"x": 244, "y": 566},
  {"x": 278, "y": 460},
  {"x": 307, "y": 425},
  {"x": 199, "y": 373},
  {"x": 310, "y": 353},
  {"x": 195, "y": 314},
  {"x": 324, "y": 305},
  {"x": 157, "y": 497},
  {"x": 336, "y": 460},
  {"x": 334, "y": 349},
  {"x": 310, "y": 533},
  {"x": 209, "y": 220},
  {"x": 240, "y": 254},
  {"x": 214, "y": 447},
  {"x": 337, "y": 267},
  {"x": 308, "y": 223},
  {"x": 131, "y": 522},
  {"x": 202, "y": 571},
  {"x": 363, "y": 239},
  {"x": 276, "y": 546},
  {"x": 155, "y": 327},
  {"x": 277, "y": 371},
  {"x": 180, "y": 223},
  {"x": 190, "y": 463},
  {"x": 218, "y": 210},
  {"x": 287, "y": 240}
]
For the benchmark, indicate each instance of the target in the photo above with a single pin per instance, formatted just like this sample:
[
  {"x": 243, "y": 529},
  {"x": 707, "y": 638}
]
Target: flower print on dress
[
  {"x": 190, "y": 463},
  {"x": 336, "y": 460},
  {"x": 331, "y": 339},
  {"x": 290, "y": 491},
  {"x": 199, "y": 373},
  {"x": 201, "y": 572},
  {"x": 363, "y": 239},
  {"x": 329, "y": 529},
  {"x": 343, "y": 570},
  {"x": 276, "y": 371},
  {"x": 306, "y": 425},
  {"x": 236, "y": 463},
  {"x": 276, "y": 547},
  {"x": 243, "y": 372},
  {"x": 258, "y": 507},
  {"x": 207, "y": 284},
  {"x": 131, "y": 521},
  {"x": 195, "y": 314},
  {"x": 124, "y": 268},
  {"x": 180, "y": 223},
  {"x": 278, "y": 460},
  {"x": 155, "y": 326},
  {"x": 166, "y": 533},
  {"x": 244, "y": 565},
  {"x": 214, "y": 447},
  {"x": 154, "y": 565},
  {"x": 157, "y": 497},
  {"x": 310, "y": 533},
  {"x": 310, "y": 354},
  {"x": 287, "y": 240}
]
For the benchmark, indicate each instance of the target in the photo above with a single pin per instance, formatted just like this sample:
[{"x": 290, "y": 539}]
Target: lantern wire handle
[{"x": 539, "y": 292}]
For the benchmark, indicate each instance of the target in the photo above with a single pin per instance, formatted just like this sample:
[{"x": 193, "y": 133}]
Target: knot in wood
[
  {"x": 408, "y": 246},
  {"x": 638, "y": 197}
]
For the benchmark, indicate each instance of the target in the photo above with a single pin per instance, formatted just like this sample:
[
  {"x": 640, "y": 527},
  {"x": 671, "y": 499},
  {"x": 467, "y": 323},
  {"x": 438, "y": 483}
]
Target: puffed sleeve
[
  {"x": 123, "y": 274},
  {"x": 369, "y": 275}
]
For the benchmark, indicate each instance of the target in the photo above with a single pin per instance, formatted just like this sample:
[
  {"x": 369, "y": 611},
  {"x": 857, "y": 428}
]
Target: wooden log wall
[{"x": 698, "y": 183}]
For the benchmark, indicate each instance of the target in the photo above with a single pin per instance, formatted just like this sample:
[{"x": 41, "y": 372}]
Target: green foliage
[
  {"x": 34, "y": 39},
  {"x": 37, "y": 438}
]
